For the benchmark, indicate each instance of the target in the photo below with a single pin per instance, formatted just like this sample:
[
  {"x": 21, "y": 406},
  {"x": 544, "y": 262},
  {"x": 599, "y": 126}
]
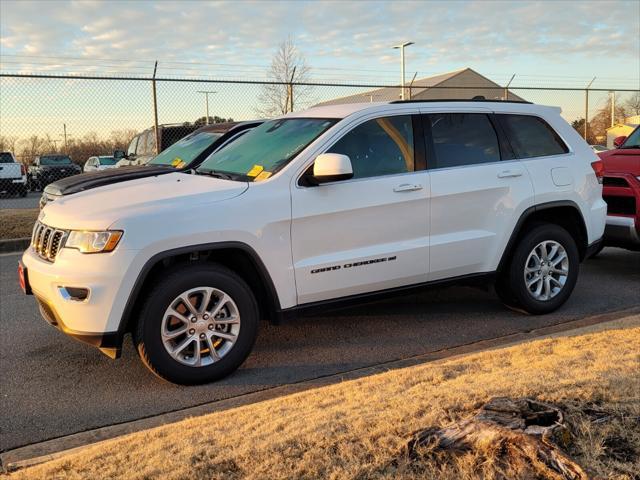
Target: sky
[{"x": 545, "y": 43}]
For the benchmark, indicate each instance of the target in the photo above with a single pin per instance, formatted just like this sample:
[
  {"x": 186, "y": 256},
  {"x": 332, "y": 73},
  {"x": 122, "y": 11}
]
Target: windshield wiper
[{"x": 212, "y": 173}]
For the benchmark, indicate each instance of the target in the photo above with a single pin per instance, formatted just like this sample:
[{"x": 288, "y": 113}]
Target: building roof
[{"x": 417, "y": 87}]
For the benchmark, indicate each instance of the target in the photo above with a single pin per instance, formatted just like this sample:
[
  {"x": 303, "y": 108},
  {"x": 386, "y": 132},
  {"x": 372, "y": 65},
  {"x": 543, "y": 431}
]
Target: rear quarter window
[
  {"x": 531, "y": 136},
  {"x": 6, "y": 157}
]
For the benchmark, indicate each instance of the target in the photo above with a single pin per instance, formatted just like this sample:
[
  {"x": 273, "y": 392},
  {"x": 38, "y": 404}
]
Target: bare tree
[
  {"x": 632, "y": 104},
  {"x": 288, "y": 69},
  {"x": 8, "y": 143}
]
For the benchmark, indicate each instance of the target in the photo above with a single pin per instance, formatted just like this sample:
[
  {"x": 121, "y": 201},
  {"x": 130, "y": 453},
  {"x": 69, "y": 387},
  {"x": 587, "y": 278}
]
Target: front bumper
[
  {"x": 622, "y": 232},
  {"x": 94, "y": 320}
]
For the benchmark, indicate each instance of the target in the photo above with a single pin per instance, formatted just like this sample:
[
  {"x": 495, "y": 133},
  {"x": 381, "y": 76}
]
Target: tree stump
[{"x": 523, "y": 432}]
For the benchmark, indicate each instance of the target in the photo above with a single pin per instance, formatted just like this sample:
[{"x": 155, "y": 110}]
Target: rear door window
[
  {"x": 531, "y": 136},
  {"x": 462, "y": 139}
]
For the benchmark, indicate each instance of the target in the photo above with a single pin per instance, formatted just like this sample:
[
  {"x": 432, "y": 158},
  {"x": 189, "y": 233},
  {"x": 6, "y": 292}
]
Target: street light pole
[
  {"x": 206, "y": 99},
  {"x": 401, "y": 47}
]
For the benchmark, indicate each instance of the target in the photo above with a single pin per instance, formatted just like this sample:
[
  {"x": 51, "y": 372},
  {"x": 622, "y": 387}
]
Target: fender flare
[
  {"x": 525, "y": 216},
  {"x": 143, "y": 274}
]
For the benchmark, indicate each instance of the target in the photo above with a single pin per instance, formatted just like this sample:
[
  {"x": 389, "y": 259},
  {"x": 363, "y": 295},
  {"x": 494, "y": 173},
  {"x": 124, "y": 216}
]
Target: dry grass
[
  {"x": 359, "y": 429},
  {"x": 17, "y": 222}
]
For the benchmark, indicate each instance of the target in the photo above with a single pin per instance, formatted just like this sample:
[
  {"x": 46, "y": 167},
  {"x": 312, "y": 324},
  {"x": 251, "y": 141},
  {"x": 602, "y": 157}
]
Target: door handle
[
  {"x": 510, "y": 173},
  {"x": 407, "y": 187}
]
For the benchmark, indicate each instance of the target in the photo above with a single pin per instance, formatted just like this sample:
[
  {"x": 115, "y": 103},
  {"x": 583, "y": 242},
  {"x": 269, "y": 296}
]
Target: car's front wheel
[
  {"x": 198, "y": 324},
  {"x": 543, "y": 270}
]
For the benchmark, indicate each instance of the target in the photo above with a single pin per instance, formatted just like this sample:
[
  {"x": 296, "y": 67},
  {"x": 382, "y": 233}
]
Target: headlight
[{"x": 93, "y": 242}]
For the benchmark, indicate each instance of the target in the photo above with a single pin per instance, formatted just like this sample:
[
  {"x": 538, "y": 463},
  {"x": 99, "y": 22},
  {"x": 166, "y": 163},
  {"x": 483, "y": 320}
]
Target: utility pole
[
  {"x": 586, "y": 109},
  {"x": 206, "y": 99},
  {"x": 506, "y": 88},
  {"x": 155, "y": 109},
  {"x": 613, "y": 108},
  {"x": 64, "y": 136},
  {"x": 401, "y": 48}
]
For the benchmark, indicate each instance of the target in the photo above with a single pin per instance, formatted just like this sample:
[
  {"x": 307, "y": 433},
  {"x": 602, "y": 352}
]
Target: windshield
[
  {"x": 55, "y": 160},
  {"x": 265, "y": 149},
  {"x": 107, "y": 160},
  {"x": 633, "y": 140},
  {"x": 6, "y": 157},
  {"x": 183, "y": 152}
]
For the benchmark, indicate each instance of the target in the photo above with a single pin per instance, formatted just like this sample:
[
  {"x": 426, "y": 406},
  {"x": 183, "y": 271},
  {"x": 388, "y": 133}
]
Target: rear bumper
[{"x": 621, "y": 231}]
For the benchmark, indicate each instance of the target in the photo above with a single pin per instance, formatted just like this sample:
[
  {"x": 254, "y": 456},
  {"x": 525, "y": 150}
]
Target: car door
[
  {"x": 371, "y": 232},
  {"x": 478, "y": 192}
]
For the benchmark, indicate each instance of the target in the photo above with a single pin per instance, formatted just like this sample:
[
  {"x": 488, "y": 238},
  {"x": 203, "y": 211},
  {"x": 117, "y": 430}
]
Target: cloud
[{"x": 358, "y": 34}]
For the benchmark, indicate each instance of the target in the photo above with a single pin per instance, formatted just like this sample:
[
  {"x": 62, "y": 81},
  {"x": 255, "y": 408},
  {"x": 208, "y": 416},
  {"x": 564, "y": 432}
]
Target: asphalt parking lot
[
  {"x": 14, "y": 201},
  {"x": 53, "y": 386}
]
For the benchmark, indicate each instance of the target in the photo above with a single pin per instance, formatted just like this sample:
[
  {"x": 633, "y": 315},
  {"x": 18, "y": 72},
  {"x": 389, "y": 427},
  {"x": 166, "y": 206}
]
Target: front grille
[
  {"x": 47, "y": 241},
  {"x": 615, "y": 182},
  {"x": 620, "y": 205}
]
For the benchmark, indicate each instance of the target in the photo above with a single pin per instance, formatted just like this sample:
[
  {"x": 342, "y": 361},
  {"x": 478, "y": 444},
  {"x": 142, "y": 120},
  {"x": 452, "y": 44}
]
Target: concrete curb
[
  {"x": 36, "y": 453},
  {"x": 14, "y": 245}
]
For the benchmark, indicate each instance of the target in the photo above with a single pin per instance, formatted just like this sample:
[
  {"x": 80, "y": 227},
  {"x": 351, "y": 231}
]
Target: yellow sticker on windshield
[
  {"x": 255, "y": 171},
  {"x": 176, "y": 162},
  {"x": 262, "y": 176}
]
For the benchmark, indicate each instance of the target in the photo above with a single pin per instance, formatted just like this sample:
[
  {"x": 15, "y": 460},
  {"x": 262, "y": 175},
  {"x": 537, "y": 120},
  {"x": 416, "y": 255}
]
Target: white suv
[{"x": 319, "y": 208}]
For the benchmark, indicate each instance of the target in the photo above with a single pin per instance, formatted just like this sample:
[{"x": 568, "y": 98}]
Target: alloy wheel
[{"x": 200, "y": 326}]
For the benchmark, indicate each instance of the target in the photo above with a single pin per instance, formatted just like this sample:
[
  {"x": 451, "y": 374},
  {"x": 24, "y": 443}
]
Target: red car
[{"x": 621, "y": 191}]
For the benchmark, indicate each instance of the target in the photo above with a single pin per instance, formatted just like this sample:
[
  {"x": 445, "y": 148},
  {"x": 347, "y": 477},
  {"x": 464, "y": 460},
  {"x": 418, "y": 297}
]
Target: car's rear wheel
[
  {"x": 543, "y": 270},
  {"x": 197, "y": 325}
]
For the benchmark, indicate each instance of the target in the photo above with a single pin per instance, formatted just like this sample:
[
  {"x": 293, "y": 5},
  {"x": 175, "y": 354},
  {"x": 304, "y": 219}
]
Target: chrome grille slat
[{"x": 47, "y": 241}]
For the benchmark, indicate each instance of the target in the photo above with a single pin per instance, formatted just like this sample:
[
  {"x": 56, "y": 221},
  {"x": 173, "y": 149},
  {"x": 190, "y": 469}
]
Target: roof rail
[{"x": 462, "y": 100}]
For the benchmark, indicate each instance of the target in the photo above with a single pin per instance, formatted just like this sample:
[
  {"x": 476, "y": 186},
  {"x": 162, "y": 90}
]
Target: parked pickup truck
[
  {"x": 13, "y": 175},
  {"x": 185, "y": 154},
  {"x": 622, "y": 192},
  {"x": 46, "y": 169}
]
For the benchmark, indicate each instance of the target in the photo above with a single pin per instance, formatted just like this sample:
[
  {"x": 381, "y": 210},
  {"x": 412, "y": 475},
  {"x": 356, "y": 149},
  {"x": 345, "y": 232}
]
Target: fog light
[{"x": 74, "y": 293}]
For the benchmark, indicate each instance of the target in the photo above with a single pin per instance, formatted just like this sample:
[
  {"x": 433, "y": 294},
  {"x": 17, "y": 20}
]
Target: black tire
[
  {"x": 147, "y": 333},
  {"x": 511, "y": 286}
]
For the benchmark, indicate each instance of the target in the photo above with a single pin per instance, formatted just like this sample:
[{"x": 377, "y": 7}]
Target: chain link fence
[{"x": 53, "y": 124}]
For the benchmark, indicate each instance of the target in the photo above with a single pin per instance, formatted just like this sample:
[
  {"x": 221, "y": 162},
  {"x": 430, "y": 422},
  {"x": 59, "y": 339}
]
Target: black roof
[{"x": 462, "y": 100}]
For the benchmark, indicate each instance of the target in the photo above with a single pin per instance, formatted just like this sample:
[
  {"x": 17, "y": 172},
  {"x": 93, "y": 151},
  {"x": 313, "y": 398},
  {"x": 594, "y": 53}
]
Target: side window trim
[
  {"x": 506, "y": 149},
  {"x": 419, "y": 144}
]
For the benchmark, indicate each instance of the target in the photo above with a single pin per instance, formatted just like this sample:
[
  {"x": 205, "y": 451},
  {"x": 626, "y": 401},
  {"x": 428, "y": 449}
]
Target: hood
[
  {"x": 86, "y": 181},
  {"x": 98, "y": 209},
  {"x": 621, "y": 160}
]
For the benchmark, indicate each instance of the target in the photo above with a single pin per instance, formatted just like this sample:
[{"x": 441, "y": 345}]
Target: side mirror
[
  {"x": 332, "y": 167},
  {"x": 619, "y": 141},
  {"x": 118, "y": 154}
]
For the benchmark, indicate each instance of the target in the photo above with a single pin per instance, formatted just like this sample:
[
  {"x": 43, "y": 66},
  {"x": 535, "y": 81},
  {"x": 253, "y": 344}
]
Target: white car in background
[
  {"x": 315, "y": 210},
  {"x": 102, "y": 162},
  {"x": 13, "y": 175}
]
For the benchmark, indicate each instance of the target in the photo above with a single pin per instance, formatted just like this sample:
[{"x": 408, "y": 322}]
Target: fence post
[
  {"x": 155, "y": 109},
  {"x": 290, "y": 91},
  {"x": 586, "y": 110}
]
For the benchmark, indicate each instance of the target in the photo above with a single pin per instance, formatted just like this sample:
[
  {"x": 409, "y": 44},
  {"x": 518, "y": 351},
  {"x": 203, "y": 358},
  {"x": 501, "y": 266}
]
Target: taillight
[
  {"x": 23, "y": 169},
  {"x": 598, "y": 167}
]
